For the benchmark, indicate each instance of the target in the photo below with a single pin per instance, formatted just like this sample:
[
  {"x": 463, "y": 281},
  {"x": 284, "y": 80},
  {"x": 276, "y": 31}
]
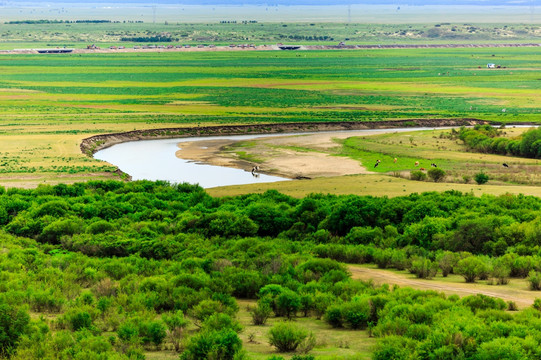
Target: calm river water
[{"x": 156, "y": 160}]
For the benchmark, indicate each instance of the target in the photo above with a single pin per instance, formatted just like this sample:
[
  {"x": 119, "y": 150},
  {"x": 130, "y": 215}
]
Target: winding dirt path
[{"x": 516, "y": 290}]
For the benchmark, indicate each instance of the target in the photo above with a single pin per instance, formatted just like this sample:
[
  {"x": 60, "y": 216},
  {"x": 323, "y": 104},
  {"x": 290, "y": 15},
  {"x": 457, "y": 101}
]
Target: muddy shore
[{"x": 98, "y": 142}]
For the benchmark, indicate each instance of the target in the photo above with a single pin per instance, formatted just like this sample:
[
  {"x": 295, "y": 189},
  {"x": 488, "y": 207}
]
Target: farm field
[{"x": 50, "y": 103}]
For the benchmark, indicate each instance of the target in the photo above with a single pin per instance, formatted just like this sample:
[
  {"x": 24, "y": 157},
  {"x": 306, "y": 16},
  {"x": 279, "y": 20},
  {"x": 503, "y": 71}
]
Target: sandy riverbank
[{"x": 293, "y": 156}]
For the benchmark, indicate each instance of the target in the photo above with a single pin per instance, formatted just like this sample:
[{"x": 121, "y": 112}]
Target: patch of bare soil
[{"x": 522, "y": 297}]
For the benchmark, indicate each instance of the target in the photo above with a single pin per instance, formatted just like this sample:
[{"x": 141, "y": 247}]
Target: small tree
[
  {"x": 286, "y": 336},
  {"x": 481, "y": 178},
  {"x": 501, "y": 272},
  {"x": 471, "y": 268},
  {"x": 176, "y": 323},
  {"x": 446, "y": 262},
  {"x": 288, "y": 303},
  {"x": 436, "y": 174}
]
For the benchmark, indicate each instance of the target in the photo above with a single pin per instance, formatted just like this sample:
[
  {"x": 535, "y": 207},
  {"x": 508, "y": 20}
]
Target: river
[{"x": 156, "y": 160}]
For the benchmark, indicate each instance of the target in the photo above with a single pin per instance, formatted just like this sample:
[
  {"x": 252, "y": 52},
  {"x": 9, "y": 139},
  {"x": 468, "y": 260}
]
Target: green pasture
[
  {"x": 435, "y": 146},
  {"x": 78, "y": 95},
  {"x": 78, "y": 35}
]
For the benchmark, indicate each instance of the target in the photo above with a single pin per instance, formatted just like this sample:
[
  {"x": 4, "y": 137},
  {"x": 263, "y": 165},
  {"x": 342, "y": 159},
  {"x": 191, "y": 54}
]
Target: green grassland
[
  {"x": 50, "y": 103},
  {"x": 14, "y": 36},
  {"x": 392, "y": 178}
]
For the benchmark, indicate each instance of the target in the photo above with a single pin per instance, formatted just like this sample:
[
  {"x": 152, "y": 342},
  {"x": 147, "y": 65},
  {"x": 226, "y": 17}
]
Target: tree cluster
[
  {"x": 487, "y": 139},
  {"x": 123, "y": 268}
]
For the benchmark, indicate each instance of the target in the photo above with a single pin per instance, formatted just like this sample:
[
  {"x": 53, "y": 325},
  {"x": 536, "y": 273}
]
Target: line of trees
[{"x": 487, "y": 139}]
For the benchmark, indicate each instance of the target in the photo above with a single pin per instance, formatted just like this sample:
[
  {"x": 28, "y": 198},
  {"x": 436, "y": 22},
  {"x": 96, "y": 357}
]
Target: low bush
[
  {"x": 481, "y": 178},
  {"x": 534, "y": 279},
  {"x": 436, "y": 174},
  {"x": 286, "y": 336},
  {"x": 417, "y": 175}
]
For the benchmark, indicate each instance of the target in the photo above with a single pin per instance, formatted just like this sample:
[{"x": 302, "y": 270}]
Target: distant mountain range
[{"x": 294, "y": 2}]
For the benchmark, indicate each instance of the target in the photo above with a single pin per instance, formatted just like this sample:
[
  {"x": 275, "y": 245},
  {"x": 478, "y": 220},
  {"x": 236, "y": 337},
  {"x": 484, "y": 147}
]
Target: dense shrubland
[
  {"x": 105, "y": 270},
  {"x": 487, "y": 139}
]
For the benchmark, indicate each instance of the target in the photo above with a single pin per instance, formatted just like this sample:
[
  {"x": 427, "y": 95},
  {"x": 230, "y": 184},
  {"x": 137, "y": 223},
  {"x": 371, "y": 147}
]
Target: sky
[{"x": 293, "y": 2}]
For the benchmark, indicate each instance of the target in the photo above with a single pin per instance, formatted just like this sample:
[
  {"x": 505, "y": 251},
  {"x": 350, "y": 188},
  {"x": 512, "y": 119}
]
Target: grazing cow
[
  {"x": 433, "y": 165},
  {"x": 422, "y": 169},
  {"x": 505, "y": 165},
  {"x": 395, "y": 160},
  {"x": 416, "y": 163}
]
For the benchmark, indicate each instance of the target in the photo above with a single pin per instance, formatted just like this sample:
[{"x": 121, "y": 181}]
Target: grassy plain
[
  {"x": 392, "y": 178},
  {"x": 21, "y": 35},
  {"x": 49, "y": 103}
]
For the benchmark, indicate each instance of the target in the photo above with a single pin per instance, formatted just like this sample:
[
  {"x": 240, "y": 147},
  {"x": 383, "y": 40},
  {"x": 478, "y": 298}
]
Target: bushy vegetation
[
  {"x": 487, "y": 139},
  {"x": 117, "y": 269}
]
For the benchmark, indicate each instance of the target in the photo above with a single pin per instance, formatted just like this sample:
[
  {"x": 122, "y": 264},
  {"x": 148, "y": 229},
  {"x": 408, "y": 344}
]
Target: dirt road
[{"x": 516, "y": 290}]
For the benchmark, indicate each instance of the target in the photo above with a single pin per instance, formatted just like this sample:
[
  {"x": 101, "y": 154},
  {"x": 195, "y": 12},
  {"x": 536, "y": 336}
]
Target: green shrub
[
  {"x": 356, "y": 313},
  {"x": 176, "y": 324},
  {"x": 152, "y": 332},
  {"x": 333, "y": 316},
  {"x": 447, "y": 261},
  {"x": 221, "y": 321},
  {"x": 394, "y": 347},
  {"x": 286, "y": 336},
  {"x": 216, "y": 345},
  {"x": 417, "y": 175},
  {"x": 287, "y": 303},
  {"x": 80, "y": 320},
  {"x": 482, "y": 302},
  {"x": 481, "y": 178},
  {"x": 423, "y": 268},
  {"x": 512, "y": 306},
  {"x": 436, "y": 174},
  {"x": 13, "y": 324},
  {"x": 261, "y": 312},
  {"x": 471, "y": 268},
  {"x": 534, "y": 279}
]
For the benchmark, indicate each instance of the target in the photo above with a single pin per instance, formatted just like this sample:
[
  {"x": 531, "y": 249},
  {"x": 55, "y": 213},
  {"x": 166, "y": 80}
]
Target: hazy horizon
[
  {"x": 288, "y": 2},
  {"x": 201, "y": 11}
]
